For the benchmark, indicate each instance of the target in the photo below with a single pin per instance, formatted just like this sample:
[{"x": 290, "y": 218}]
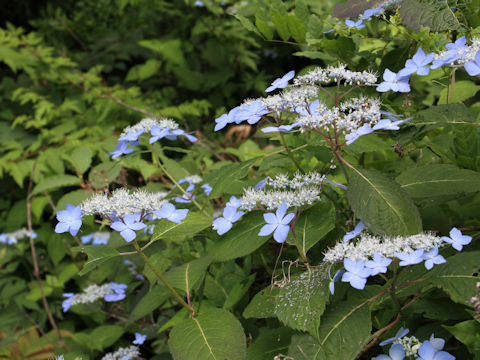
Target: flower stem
[
  {"x": 297, "y": 164},
  {"x": 163, "y": 280},
  {"x": 299, "y": 247}
]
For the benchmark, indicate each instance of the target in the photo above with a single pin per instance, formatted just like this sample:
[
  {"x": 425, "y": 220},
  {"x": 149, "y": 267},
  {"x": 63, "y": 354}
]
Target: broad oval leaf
[
  {"x": 384, "y": 207},
  {"x": 438, "y": 180},
  {"x": 188, "y": 275},
  {"x": 213, "y": 335},
  {"x": 270, "y": 343},
  {"x": 263, "y": 304},
  {"x": 55, "y": 182},
  {"x": 191, "y": 225},
  {"x": 432, "y": 13},
  {"x": 97, "y": 254}
]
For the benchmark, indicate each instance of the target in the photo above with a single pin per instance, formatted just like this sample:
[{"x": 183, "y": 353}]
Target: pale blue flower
[
  {"x": 387, "y": 124},
  {"x": 400, "y": 333},
  {"x": 207, "y": 188},
  {"x": 417, "y": 64},
  {"x": 224, "y": 224},
  {"x": 132, "y": 136},
  {"x": 415, "y": 257},
  {"x": 367, "y": 14},
  {"x": 251, "y": 112},
  {"x": 69, "y": 220},
  {"x": 170, "y": 212},
  {"x": 225, "y": 119},
  {"x": 158, "y": 133},
  {"x": 355, "y": 232},
  {"x": 198, "y": 3},
  {"x": 281, "y": 128},
  {"x": 358, "y": 24},
  {"x": 277, "y": 224},
  {"x": 127, "y": 227},
  {"x": 431, "y": 257},
  {"x": 394, "y": 82},
  {"x": 121, "y": 149},
  {"x": 86, "y": 239},
  {"x": 378, "y": 264},
  {"x": 67, "y": 303},
  {"x": 234, "y": 202},
  {"x": 308, "y": 109},
  {"x": 261, "y": 184},
  {"x": 396, "y": 352},
  {"x": 363, "y": 130},
  {"x": 455, "y": 52},
  {"x": 139, "y": 339},
  {"x": 438, "y": 343},
  {"x": 282, "y": 82},
  {"x": 473, "y": 67},
  {"x": 356, "y": 273},
  {"x": 428, "y": 352},
  {"x": 118, "y": 292},
  {"x": 457, "y": 239},
  {"x": 336, "y": 277}
]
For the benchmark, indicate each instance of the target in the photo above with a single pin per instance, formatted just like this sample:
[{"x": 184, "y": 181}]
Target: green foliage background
[{"x": 74, "y": 73}]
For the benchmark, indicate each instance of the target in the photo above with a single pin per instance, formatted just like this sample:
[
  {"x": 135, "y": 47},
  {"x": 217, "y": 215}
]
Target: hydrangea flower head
[
  {"x": 431, "y": 257},
  {"x": 473, "y": 67},
  {"x": 251, "y": 112},
  {"x": 396, "y": 352},
  {"x": 170, "y": 212},
  {"x": 139, "y": 339},
  {"x": 355, "y": 232},
  {"x": 394, "y": 82},
  {"x": 428, "y": 352},
  {"x": 128, "y": 226},
  {"x": 356, "y": 273},
  {"x": 69, "y": 219},
  {"x": 400, "y": 333},
  {"x": 417, "y": 64},
  {"x": 282, "y": 82},
  {"x": 457, "y": 239},
  {"x": 224, "y": 224},
  {"x": 277, "y": 224}
]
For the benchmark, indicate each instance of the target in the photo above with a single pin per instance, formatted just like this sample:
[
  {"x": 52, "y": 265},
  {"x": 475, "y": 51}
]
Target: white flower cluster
[
  {"x": 367, "y": 246},
  {"x": 336, "y": 73},
  {"x": 463, "y": 54},
  {"x": 348, "y": 117},
  {"x": 91, "y": 294},
  {"x": 128, "y": 353},
  {"x": 410, "y": 345},
  {"x": 12, "y": 238},
  {"x": 282, "y": 181},
  {"x": 122, "y": 203},
  {"x": 193, "y": 179},
  {"x": 147, "y": 123}
]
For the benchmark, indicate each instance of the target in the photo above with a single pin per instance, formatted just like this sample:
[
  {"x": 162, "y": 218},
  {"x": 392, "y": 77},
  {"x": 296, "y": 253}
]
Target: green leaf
[
  {"x": 237, "y": 292},
  {"x": 263, "y": 304},
  {"x": 97, "y": 254},
  {"x": 160, "y": 262},
  {"x": 105, "y": 336},
  {"x": 81, "y": 158},
  {"x": 105, "y": 173},
  {"x": 301, "y": 302},
  {"x": 305, "y": 347},
  {"x": 438, "y": 180},
  {"x": 296, "y": 28},
  {"x": 456, "y": 276},
  {"x": 191, "y": 225},
  {"x": 242, "y": 239},
  {"x": 345, "y": 329},
  {"x": 55, "y": 182},
  {"x": 281, "y": 23},
  {"x": 462, "y": 90},
  {"x": 264, "y": 28},
  {"x": 314, "y": 224},
  {"x": 270, "y": 343},
  {"x": 247, "y": 24},
  {"x": 213, "y": 335},
  {"x": 432, "y": 13},
  {"x": 370, "y": 143},
  {"x": 170, "y": 49},
  {"x": 223, "y": 178},
  {"x": 468, "y": 332},
  {"x": 151, "y": 301},
  {"x": 186, "y": 276},
  {"x": 382, "y": 204}
]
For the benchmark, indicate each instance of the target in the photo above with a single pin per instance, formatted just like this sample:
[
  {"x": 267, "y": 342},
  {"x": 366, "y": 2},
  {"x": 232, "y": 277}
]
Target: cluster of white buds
[
  {"x": 122, "y": 202},
  {"x": 146, "y": 125},
  {"x": 91, "y": 294},
  {"x": 410, "y": 345},
  {"x": 367, "y": 246},
  {"x": 12, "y": 238},
  {"x": 281, "y": 181},
  {"x": 128, "y": 353},
  {"x": 348, "y": 117},
  {"x": 336, "y": 73}
]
